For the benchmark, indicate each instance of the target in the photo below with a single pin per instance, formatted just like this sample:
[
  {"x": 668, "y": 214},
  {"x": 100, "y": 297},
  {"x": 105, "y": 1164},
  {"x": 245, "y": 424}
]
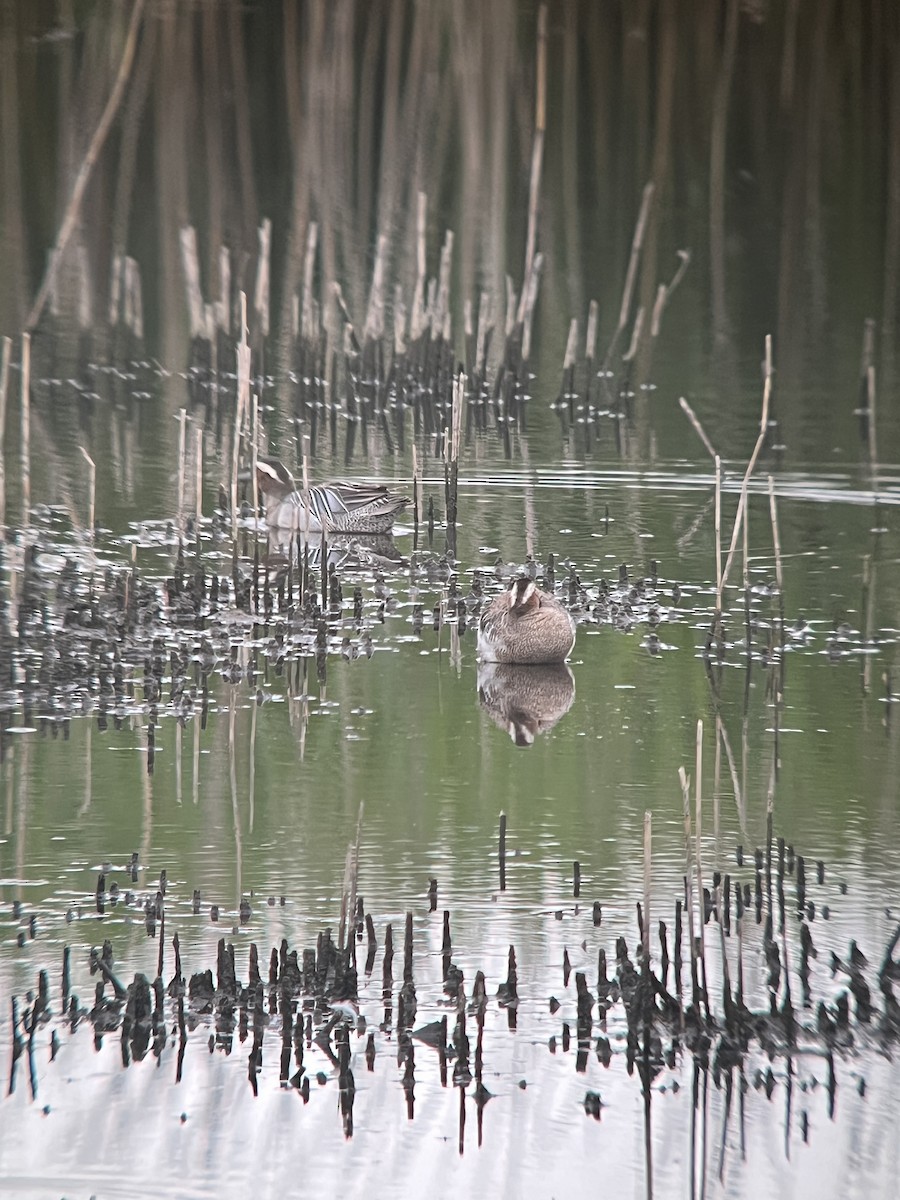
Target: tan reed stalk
[
  {"x": 418, "y": 318},
  {"x": 637, "y": 243},
  {"x": 698, "y": 428},
  {"x": 306, "y": 500},
  {"x": 190, "y": 262},
  {"x": 223, "y": 305},
  {"x": 776, "y": 537},
  {"x": 873, "y": 439},
  {"x": 198, "y": 478},
  {"x": 25, "y": 437},
  {"x": 73, "y": 208},
  {"x": 254, "y": 450},
  {"x": 689, "y": 891},
  {"x": 92, "y": 491},
  {"x": 415, "y": 482},
  {"x": 182, "y": 445},
  {"x": 698, "y": 831},
  {"x": 261, "y": 292},
  {"x": 718, "y": 522},
  {"x": 571, "y": 345},
  {"x": 242, "y": 407},
  {"x": 636, "y": 331},
  {"x": 701, "y": 433},
  {"x": 373, "y": 329},
  {"x": 648, "y": 863},
  {"x": 537, "y": 156},
  {"x": 742, "y": 502},
  {"x": 5, "y": 356},
  {"x": 590, "y": 340},
  {"x": 664, "y": 292}
]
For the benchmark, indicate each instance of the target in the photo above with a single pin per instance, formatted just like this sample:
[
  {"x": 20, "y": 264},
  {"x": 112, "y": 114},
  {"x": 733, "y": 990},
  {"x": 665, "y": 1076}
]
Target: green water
[{"x": 340, "y": 115}]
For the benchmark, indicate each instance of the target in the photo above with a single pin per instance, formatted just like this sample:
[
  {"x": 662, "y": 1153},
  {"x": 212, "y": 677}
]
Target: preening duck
[
  {"x": 339, "y": 507},
  {"x": 525, "y": 625}
]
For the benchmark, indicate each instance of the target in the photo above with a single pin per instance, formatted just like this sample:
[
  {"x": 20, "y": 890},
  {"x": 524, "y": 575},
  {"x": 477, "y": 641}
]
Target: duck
[
  {"x": 335, "y": 507},
  {"x": 525, "y": 625}
]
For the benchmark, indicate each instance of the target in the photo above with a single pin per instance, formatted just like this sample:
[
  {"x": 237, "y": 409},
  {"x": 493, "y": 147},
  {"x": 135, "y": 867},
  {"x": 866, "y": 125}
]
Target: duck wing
[{"x": 361, "y": 507}]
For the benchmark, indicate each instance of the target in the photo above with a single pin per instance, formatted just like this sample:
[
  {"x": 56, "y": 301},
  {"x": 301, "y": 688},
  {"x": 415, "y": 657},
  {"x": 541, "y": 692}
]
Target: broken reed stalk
[
  {"x": 25, "y": 443},
  {"x": 776, "y": 537},
  {"x": 701, "y": 433},
  {"x": 664, "y": 292},
  {"x": 648, "y": 862},
  {"x": 688, "y": 889},
  {"x": 182, "y": 443},
  {"x": 636, "y": 331},
  {"x": 742, "y": 502},
  {"x": 73, "y": 208},
  {"x": 537, "y": 157},
  {"x": 92, "y": 490},
  {"x": 698, "y": 428},
  {"x": 567, "y": 386},
  {"x": 637, "y": 243},
  {"x": 459, "y": 402},
  {"x": 873, "y": 440},
  {"x": 4, "y": 383}
]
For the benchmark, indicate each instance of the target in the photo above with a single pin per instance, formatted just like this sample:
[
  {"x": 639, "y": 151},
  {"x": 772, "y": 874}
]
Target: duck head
[
  {"x": 523, "y": 595},
  {"x": 273, "y": 478}
]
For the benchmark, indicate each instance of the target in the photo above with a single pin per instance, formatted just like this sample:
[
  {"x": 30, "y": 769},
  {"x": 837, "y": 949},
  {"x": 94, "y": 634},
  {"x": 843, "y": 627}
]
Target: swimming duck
[
  {"x": 341, "y": 507},
  {"x": 525, "y": 625}
]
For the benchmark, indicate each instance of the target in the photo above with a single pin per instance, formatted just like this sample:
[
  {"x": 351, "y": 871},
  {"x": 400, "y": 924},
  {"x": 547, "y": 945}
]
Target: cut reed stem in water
[{"x": 688, "y": 887}]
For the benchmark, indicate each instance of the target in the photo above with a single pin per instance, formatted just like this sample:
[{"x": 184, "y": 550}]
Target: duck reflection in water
[
  {"x": 345, "y": 551},
  {"x": 525, "y": 700}
]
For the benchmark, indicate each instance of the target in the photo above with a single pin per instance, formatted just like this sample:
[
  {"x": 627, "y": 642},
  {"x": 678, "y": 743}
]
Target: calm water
[{"x": 396, "y": 735}]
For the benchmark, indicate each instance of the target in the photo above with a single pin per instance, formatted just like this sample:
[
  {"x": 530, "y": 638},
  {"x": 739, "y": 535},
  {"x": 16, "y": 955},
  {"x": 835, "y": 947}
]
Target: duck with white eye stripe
[
  {"x": 525, "y": 625},
  {"x": 335, "y": 507}
]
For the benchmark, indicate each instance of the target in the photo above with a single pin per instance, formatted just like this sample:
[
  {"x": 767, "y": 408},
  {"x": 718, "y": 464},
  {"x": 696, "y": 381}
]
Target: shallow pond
[{"x": 190, "y": 746}]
